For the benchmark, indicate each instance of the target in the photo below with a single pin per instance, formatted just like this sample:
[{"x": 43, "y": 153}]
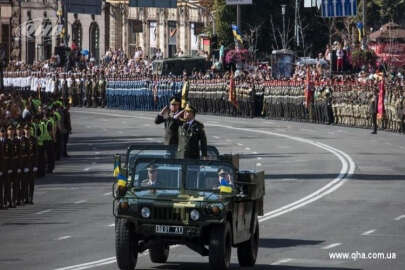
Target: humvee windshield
[
  {"x": 157, "y": 175},
  {"x": 204, "y": 177},
  {"x": 146, "y": 153}
]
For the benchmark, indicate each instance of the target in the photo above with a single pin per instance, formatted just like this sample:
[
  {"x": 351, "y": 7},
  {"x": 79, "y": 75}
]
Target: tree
[{"x": 387, "y": 10}]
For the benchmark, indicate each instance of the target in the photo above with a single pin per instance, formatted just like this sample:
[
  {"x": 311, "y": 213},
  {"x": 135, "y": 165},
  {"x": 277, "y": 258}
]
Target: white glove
[
  {"x": 35, "y": 169},
  {"x": 18, "y": 170},
  {"x": 26, "y": 170},
  {"x": 10, "y": 171}
]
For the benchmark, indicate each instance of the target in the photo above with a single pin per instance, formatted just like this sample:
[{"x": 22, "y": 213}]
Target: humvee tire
[
  {"x": 220, "y": 246},
  {"x": 159, "y": 253},
  {"x": 126, "y": 247},
  {"x": 247, "y": 251}
]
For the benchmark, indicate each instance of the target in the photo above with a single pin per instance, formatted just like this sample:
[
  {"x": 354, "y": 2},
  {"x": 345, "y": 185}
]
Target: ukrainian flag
[
  {"x": 116, "y": 169},
  {"x": 225, "y": 187},
  {"x": 236, "y": 33},
  {"x": 122, "y": 180}
]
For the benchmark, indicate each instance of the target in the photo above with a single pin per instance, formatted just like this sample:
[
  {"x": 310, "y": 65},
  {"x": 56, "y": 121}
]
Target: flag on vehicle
[
  {"x": 116, "y": 168},
  {"x": 122, "y": 180}
]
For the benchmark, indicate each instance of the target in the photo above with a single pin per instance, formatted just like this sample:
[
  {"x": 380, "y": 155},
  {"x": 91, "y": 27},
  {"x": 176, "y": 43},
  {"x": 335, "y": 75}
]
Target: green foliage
[
  {"x": 382, "y": 11},
  {"x": 224, "y": 17},
  {"x": 366, "y": 57}
]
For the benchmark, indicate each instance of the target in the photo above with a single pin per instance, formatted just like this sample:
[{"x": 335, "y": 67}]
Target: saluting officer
[
  {"x": 166, "y": 116},
  {"x": 192, "y": 138}
]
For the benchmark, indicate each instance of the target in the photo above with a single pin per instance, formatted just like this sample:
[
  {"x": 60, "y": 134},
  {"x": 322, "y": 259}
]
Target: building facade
[{"x": 31, "y": 29}]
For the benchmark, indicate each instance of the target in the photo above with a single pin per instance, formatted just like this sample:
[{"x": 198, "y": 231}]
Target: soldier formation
[{"x": 33, "y": 134}]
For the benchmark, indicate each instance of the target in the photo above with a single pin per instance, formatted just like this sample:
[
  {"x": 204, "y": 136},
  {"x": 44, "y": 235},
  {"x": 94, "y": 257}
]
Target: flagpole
[{"x": 238, "y": 16}]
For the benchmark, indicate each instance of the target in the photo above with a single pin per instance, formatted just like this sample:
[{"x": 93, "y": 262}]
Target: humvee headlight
[
  {"x": 145, "y": 212},
  {"x": 216, "y": 208},
  {"x": 194, "y": 215}
]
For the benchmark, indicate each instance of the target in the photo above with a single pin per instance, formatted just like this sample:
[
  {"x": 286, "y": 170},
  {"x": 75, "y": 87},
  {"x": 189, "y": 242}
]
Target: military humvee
[{"x": 207, "y": 205}]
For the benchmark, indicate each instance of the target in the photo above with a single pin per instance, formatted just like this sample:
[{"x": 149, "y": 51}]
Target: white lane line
[
  {"x": 247, "y": 149},
  {"x": 111, "y": 225},
  {"x": 228, "y": 140},
  {"x": 43, "y": 212},
  {"x": 63, "y": 237},
  {"x": 254, "y": 153},
  {"x": 282, "y": 261},
  {"x": 398, "y": 218},
  {"x": 87, "y": 169},
  {"x": 79, "y": 202},
  {"x": 332, "y": 246},
  {"x": 107, "y": 194},
  {"x": 216, "y": 137},
  {"x": 149, "y": 139},
  {"x": 368, "y": 232},
  {"x": 348, "y": 167},
  {"x": 259, "y": 158},
  {"x": 258, "y": 164},
  {"x": 97, "y": 153},
  {"x": 146, "y": 125},
  {"x": 239, "y": 144}
]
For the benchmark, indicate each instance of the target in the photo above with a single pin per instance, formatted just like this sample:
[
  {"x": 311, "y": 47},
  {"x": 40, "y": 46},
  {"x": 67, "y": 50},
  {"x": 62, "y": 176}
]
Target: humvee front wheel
[
  {"x": 159, "y": 253},
  {"x": 126, "y": 246},
  {"x": 247, "y": 251},
  {"x": 220, "y": 247}
]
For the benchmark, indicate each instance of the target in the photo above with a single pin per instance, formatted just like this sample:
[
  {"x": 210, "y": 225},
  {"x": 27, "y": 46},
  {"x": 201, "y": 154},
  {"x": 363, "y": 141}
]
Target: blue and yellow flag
[
  {"x": 116, "y": 169},
  {"x": 236, "y": 33},
  {"x": 122, "y": 180},
  {"x": 225, "y": 187}
]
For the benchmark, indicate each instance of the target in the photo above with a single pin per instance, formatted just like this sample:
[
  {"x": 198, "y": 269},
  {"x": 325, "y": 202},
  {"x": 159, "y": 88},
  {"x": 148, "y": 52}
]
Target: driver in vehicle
[{"x": 152, "y": 180}]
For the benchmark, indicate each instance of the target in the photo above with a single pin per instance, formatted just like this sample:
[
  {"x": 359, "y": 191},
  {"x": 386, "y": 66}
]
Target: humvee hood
[{"x": 177, "y": 195}]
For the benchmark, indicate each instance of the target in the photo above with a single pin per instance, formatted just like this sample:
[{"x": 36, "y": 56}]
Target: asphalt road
[{"x": 328, "y": 189}]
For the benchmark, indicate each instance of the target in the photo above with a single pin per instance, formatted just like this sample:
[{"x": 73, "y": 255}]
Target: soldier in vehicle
[
  {"x": 152, "y": 180},
  {"x": 192, "y": 138},
  {"x": 166, "y": 116}
]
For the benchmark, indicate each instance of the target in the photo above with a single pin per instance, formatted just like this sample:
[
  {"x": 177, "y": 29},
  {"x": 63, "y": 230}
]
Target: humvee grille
[{"x": 169, "y": 213}]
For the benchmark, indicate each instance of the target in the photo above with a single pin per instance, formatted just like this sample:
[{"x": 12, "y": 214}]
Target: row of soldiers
[
  {"x": 79, "y": 89},
  {"x": 29, "y": 146},
  {"x": 212, "y": 96}
]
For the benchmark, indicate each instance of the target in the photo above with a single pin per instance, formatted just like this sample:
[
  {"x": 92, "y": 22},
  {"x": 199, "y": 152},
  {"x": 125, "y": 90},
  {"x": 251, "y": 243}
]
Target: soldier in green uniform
[
  {"x": 102, "y": 85},
  {"x": 152, "y": 180},
  {"x": 13, "y": 165},
  {"x": 94, "y": 92},
  {"x": 3, "y": 172},
  {"x": 31, "y": 165},
  {"x": 22, "y": 161},
  {"x": 166, "y": 116},
  {"x": 192, "y": 138},
  {"x": 88, "y": 88}
]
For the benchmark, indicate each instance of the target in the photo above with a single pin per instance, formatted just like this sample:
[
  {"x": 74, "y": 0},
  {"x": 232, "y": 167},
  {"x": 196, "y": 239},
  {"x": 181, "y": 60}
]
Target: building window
[
  {"x": 193, "y": 40},
  {"x": 77, "y": 36},
  {"x": 94, "y": 41},
  {"x": 47, "y": 39},
  {"x": 172, "y": 25},
  {"x": 30, "y": 49},
  {"x": 153, "y": 42},
  {"x": 134, "y": 26}
]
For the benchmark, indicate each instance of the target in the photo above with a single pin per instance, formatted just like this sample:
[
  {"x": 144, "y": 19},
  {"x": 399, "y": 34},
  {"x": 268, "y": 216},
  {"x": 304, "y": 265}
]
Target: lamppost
[{"x": 283, "y": 9}]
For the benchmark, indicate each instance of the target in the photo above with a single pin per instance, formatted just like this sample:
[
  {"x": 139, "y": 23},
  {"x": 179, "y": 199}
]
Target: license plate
[{"x": 169, "y": 229}]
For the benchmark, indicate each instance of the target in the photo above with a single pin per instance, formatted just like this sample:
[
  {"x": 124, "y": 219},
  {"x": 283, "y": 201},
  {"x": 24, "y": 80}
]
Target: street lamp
[{"x": 283, "y": 9}]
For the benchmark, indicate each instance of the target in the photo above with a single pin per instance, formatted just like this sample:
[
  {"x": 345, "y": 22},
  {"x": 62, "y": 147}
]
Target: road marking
[
  {"x": 282, "y": 261},
  {"x": 111, "y": 225},
  {"x": 79, "y": 202},
  {"x": 97, "y": 153},
  {"x": 216, "y": 137},
  {"x": 108, "y": 193},
  {"x": 43, "y": 212},
  {"x": 348, "y": 167},
  {"x": 398, "y": 218},
  {"x": 247, "y": 148},
  {"x": 259, "y": 158},
  {"x": 149, "y": 139},
  {"x": 228, "y": 140},
  {"x": 332, "y": 246},
  {"x": 63, "y": 237},
  {"x": 368, "y": 232},
  {"x": 87, "y": 169},
  {"x": 258, "y": 164},
  {"x": 255, "y": 153},
  {"x": 239, "y": 144}
]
